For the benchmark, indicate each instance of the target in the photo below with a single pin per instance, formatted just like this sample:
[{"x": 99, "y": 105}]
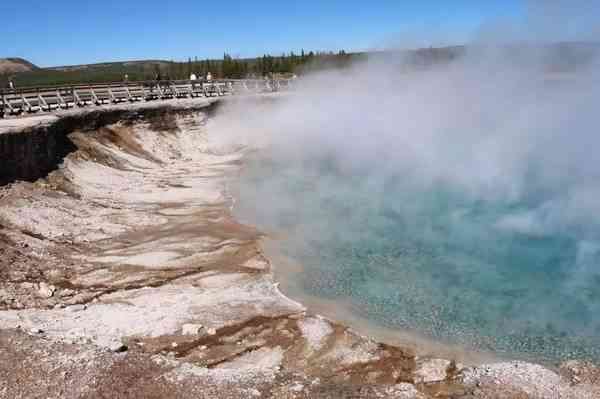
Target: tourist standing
[{"x": 193, "y": 79}]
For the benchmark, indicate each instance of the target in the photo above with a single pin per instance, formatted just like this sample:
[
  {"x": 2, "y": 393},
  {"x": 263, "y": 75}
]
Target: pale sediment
[{"x": 123, "y": 274}]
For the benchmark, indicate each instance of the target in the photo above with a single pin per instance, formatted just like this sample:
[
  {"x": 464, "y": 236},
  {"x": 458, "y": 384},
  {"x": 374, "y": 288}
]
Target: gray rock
[
  {"x": 431, "y": 370},
  {"x": 191, "y": 329},
  {"x": 404, "y": 391},
  {"x": 45, "y": 290},
  {"x": 297, "y": 387},
  {"x": 76, "y": 308},
  {"x": 254, "y": 392},
  {"x": 66, "y": 292},
  {"x": 5, "y": 296},
  {"x": 117, "y": 346}
]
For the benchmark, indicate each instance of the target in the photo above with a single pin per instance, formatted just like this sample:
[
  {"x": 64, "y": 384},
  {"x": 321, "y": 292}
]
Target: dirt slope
[{"x": 15, "y": 65}]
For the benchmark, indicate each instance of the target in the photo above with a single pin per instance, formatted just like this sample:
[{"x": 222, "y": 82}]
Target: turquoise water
[{"x": 432, "y": 259}]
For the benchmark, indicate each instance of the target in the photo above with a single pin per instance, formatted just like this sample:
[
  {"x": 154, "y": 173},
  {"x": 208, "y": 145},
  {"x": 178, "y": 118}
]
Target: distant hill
[
  {"x": 555, "y": 57},
  {"x": 143, "y": 64},
  {"x": 15, "y": 65},
  {"x": 91, "y": 73}
]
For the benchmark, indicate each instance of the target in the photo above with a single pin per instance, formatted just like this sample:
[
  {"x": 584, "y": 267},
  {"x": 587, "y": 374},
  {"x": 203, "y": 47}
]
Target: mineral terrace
[{"x": 124, "y": 275}]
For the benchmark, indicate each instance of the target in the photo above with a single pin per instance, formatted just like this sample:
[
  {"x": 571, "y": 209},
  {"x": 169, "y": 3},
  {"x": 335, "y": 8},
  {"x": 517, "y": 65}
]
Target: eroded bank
[{"x": 125, "y": 272}]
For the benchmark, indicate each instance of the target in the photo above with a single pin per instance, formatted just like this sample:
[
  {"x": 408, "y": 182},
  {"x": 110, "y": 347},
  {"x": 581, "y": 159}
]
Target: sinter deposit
[{"x": 123, "y": 274}]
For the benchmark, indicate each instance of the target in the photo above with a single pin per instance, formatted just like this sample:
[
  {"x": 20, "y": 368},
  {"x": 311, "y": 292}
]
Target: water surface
[{"x": 431, "y": 259}]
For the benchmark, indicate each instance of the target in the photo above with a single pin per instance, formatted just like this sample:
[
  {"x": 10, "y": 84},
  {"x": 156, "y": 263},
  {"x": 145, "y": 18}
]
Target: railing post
[
  {"x": 3, "y": 104},
  {"x": 39, "y": 100}
]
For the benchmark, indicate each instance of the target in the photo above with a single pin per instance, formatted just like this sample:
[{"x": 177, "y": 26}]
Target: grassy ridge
[
  {"x": 555, "y": 57},
  {"x": 149, "y": 69},
  {"x": 227, "y": 67}
]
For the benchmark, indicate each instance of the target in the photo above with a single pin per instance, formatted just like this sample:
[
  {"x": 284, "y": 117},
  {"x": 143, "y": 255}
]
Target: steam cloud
[
  {"x": 511, "y": 123},
  {"x": 487, "y": 125}
]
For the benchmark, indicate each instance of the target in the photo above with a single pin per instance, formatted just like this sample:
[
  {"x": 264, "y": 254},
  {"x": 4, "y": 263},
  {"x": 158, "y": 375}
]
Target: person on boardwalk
[
  {"x": 157, "y": 78},
  {"x": 11, "y": 84}
]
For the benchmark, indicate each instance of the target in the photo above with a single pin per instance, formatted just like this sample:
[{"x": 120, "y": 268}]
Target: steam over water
[
  {"x": 459, "y": 201},
  {"x": 433, "y": 260}
]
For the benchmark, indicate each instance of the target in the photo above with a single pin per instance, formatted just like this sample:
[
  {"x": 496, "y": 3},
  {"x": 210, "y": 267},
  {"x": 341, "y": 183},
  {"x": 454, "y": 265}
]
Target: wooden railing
[{"x": 52, "y": 98}]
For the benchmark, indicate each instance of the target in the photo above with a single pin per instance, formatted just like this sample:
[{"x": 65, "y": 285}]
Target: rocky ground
[{"x": 124, "y": 275}]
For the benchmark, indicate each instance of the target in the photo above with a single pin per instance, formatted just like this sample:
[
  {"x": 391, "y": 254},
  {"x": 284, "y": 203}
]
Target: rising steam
[{"x": 510, "y": 126}]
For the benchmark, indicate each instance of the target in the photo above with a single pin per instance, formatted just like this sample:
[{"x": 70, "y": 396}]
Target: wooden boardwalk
[{"x": 52, "y": 98}]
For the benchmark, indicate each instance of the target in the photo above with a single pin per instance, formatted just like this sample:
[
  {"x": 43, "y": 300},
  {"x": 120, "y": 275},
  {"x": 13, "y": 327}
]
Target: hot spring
[
  {"x": 435, "y": 262},
  {"x": 460, "y": 203}
]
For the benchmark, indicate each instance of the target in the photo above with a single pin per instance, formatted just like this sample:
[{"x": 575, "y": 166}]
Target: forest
[{"x": 226, "y": 67}]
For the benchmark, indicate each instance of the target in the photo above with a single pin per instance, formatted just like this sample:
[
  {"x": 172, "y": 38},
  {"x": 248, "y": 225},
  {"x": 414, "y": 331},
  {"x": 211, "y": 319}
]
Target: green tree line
[{"x": 227, "y": 67}]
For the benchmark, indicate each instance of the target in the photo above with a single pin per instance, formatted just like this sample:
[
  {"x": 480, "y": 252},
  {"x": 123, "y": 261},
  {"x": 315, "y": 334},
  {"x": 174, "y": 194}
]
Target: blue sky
[{"x": 64, "y": 32}]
